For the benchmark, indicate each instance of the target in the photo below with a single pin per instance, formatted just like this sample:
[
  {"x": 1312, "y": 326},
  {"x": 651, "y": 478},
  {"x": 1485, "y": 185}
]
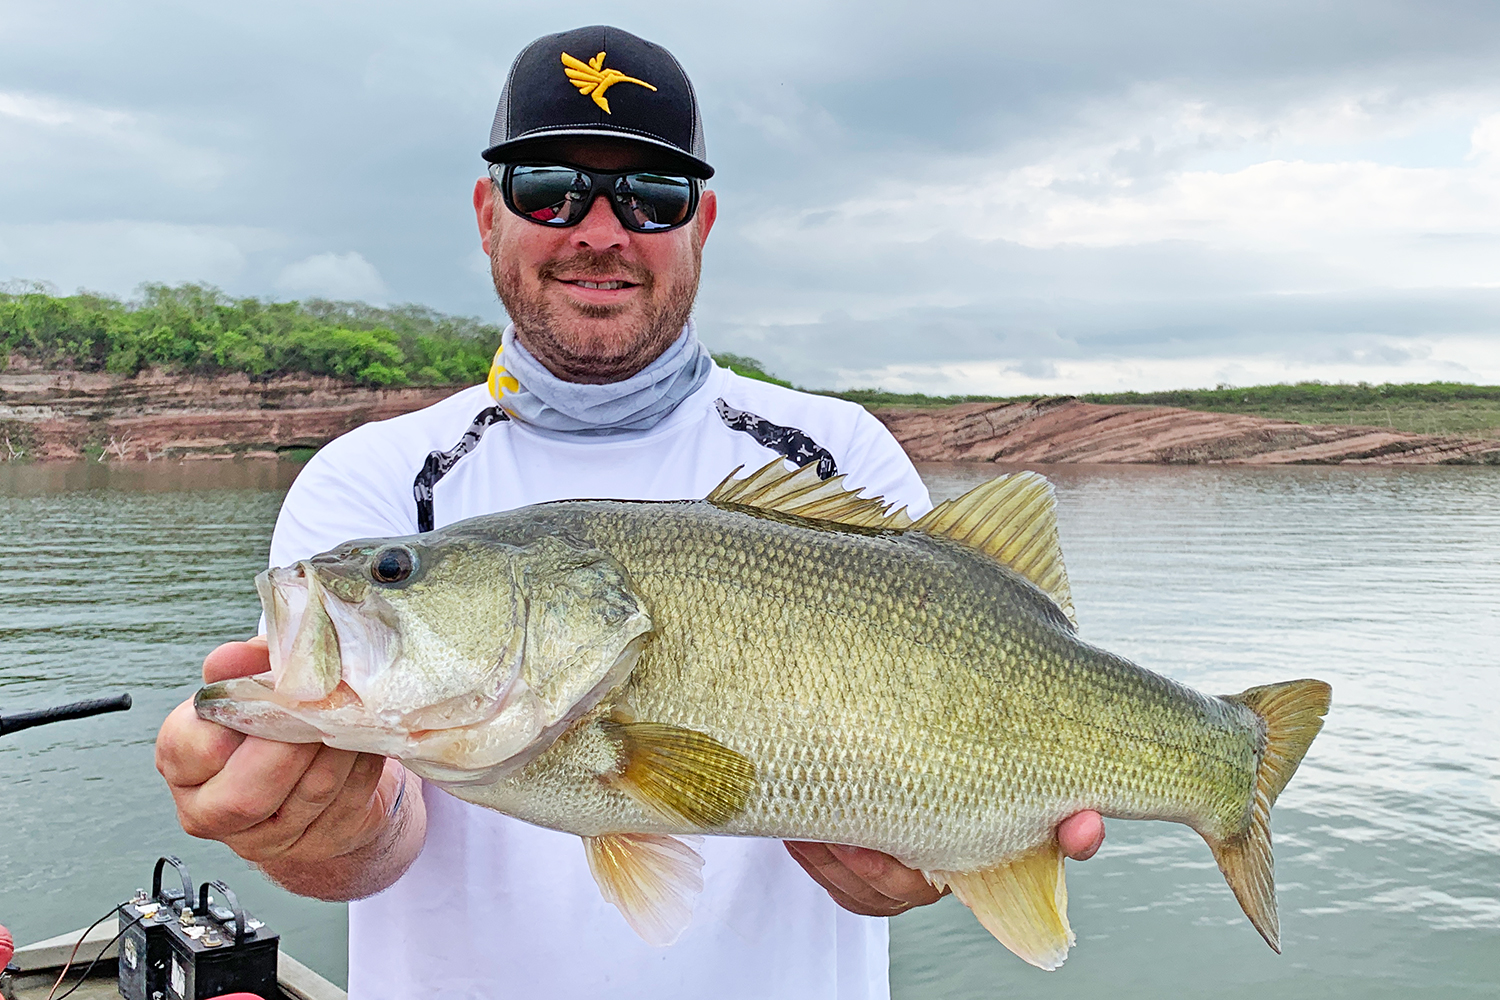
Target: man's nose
[{"x": 600, "y": 229}]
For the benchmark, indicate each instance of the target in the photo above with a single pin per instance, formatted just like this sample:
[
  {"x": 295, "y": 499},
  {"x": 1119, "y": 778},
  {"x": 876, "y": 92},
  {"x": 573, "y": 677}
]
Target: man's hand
[
  {"x": 877, "y": 885},
  {"x": 322, "y": 822}
]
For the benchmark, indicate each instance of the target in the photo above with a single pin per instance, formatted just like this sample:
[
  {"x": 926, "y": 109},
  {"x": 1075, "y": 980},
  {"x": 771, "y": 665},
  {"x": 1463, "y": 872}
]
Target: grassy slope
[{"x": 1426, "y": 408}]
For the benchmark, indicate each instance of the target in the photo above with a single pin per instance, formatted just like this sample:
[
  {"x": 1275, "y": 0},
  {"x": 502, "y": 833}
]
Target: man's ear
[
  {"x": 708, "y": 211},
  {"x": 484, "y": 211}
]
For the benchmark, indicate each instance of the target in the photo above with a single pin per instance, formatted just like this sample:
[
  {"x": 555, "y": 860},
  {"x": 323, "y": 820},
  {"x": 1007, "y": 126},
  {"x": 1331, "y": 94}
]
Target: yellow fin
[
  {"x": 1023, "y": 902},
  {"x": 803, "y": 494},
  {"x": 650, "y": 878},
  {"x": 1293, "y": 713},
  {"x": 681, "y": 774},
  {"x": 1014, "y": 520}
]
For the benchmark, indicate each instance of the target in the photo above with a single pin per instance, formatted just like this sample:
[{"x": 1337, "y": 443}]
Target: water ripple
[{"x": 1384, "y": 583}]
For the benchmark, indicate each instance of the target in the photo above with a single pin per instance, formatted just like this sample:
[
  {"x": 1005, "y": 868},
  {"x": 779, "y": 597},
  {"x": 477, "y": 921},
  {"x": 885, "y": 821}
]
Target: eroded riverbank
[{"x": 62, "y": 416}]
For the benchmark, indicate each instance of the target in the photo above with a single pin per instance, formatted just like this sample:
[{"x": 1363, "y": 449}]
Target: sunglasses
[{"x": 552, "y": 194}]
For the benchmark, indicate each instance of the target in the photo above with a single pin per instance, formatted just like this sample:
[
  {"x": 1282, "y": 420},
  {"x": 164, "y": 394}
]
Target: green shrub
[
  {"x": 197, "y": 328},
  {"x": 749, "y": 368}
]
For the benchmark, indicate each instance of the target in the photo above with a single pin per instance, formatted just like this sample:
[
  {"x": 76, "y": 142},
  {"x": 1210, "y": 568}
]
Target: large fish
[{"x": 782, "y": 659}]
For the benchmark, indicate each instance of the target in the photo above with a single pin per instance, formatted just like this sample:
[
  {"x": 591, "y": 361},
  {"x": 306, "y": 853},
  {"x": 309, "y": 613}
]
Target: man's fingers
[
  {"x": 253, "y": 784},
  {"x": 1081, "y": 835},
  {"x": 889, "y": 876},
  {"x": 318, "y": 787},
  {"x": 237, "y": 659},
  {"x": 189, "y": 751},
  {"x": 356, "y": 817},
  {"x": 847, "y": 889},
  {"x": 854, "y": 892},
  {"x": 807, "y": 855}
]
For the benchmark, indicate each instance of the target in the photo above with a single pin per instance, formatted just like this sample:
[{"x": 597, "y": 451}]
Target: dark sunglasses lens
[
  {"x": 553, "y": 196},
  {"x": 654, "y": 201}
]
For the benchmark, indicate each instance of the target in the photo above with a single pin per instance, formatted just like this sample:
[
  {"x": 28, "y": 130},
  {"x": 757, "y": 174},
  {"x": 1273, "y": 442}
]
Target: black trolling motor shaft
[{"x": 76, "y": 710}]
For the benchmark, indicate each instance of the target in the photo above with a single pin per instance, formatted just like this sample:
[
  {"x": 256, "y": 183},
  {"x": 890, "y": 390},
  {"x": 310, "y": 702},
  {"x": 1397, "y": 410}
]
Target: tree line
[{"x": 198, "y": 329}]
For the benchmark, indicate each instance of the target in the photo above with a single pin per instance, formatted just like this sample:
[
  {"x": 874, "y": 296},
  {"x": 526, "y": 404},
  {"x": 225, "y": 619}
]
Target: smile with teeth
[{"x": 606, "y": 285}]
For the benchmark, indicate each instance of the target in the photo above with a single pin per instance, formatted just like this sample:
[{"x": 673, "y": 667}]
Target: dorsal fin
[
  {"x": 1014, "y": 520},
  {"x": 802, "y": 493}
]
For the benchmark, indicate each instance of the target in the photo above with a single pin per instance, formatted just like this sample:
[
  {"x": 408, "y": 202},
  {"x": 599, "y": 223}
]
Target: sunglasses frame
[{"x": 600, "y": 183}]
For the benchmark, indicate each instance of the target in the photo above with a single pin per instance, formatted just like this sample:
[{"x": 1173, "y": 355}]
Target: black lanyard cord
[{"x": 439, "y": 462}]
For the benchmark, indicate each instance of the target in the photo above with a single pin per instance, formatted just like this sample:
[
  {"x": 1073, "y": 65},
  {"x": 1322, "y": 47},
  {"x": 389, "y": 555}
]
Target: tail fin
[{"x": 1293, "y": 713}]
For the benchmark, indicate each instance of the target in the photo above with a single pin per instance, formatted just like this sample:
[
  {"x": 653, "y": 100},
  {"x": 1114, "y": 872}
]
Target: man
[{"x": 594, "y": 216}]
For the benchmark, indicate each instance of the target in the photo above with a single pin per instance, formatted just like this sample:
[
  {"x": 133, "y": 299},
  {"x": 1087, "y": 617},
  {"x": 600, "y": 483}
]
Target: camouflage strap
[
  {"x": 439, "y": 462},
  {"x": 790, "y": 443}
]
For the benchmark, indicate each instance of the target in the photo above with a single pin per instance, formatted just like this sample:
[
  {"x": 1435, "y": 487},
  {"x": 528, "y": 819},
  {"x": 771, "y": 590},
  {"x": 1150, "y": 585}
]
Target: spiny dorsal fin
[
  {"x": 652, "y": 879},
  {"x": 1293, "y": 713},
  {"x": 802, "y": 493},
  {"x": 681, "y": 774},
  {"x": 1014, "y": 520},
  {"x": 1023, "y": 902}
]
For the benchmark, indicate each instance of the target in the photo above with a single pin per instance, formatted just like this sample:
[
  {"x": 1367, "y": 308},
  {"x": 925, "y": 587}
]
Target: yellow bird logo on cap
[{"x": 592, "y": 79}]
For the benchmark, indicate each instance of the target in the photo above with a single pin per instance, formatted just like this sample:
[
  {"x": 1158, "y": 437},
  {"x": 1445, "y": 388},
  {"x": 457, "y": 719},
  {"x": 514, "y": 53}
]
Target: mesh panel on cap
[
  {"x": 698, "y": 148},
  {"x": 499, "y": 131}
]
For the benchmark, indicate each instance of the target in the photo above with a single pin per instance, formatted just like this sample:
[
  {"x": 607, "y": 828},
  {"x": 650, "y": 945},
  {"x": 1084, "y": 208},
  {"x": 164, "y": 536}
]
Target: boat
[{"x": 34, "y": 969}]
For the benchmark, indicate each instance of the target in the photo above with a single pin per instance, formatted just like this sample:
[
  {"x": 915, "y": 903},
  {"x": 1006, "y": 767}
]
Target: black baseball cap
[{"x": 598, "y": 81}]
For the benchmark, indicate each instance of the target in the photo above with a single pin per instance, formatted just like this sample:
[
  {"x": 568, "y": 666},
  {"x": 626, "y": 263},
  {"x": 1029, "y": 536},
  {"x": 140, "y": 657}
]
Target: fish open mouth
[
  {"x": 318, "y": 640},
  {"x": 332, "y": 679},
  {"x": 321, "y": 644}
]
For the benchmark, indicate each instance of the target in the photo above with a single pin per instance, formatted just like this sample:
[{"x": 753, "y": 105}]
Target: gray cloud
[{"x": 259, "y": 146}]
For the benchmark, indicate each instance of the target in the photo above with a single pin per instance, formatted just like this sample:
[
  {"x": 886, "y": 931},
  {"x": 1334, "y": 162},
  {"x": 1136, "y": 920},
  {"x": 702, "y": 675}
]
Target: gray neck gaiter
[{"x": 526, "y": 390}]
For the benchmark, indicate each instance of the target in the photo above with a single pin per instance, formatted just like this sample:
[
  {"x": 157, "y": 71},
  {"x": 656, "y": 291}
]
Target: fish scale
[
  {"x": 783, "y": 659},
  {"x": 848, "y": 688}
]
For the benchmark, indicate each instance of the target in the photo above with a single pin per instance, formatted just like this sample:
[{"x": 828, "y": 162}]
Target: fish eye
[{"x": 392, "y": 565}]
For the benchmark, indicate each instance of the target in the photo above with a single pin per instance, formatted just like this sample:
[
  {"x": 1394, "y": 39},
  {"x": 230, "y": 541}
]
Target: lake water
[{"x": 1384, "y": 582}]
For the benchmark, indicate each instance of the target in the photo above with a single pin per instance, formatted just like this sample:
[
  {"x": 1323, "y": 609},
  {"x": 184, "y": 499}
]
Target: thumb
[{"x": 237, "y": 659}]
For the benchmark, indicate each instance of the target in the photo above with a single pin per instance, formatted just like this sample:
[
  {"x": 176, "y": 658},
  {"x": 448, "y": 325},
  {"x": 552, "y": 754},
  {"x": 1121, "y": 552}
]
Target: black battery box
[
  {"x": 144, "y": 953},
  {"x": 217, "y": 948}
]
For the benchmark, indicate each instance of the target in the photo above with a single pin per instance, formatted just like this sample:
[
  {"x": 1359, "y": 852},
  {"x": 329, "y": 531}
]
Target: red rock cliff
[
  {"x": 1068, "y": 430},
  {"x": 62, "y": 415},
  {"x": 66, "y": 415}
]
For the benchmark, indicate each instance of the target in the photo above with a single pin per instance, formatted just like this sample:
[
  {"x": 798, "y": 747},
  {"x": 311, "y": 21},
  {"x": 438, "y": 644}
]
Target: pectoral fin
[
  {"x": 652, "y": 879},
  {"x": 1023, "y": 902},
  {"x": 679, "y": 773}
]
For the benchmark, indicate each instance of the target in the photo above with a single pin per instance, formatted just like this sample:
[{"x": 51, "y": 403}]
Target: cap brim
[{"x": 536, "y": 142}]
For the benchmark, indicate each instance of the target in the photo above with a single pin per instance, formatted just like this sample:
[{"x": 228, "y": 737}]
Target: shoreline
[
  {"x": 1063, "y": 430},
  {"x": 62, "y": 416}
]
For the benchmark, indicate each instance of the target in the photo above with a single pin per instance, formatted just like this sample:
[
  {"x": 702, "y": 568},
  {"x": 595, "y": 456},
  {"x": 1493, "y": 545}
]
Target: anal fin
[
  {"x": 1023, "y": 902},
  {"x": 651, "y": 879}
]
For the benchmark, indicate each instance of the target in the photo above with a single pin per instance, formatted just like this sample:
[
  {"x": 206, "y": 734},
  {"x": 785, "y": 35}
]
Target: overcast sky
[{"x": 943, "y": 196}]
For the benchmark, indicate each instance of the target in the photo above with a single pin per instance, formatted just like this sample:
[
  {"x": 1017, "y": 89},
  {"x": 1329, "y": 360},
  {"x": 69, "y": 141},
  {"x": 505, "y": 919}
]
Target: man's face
[{"x": 593, "y": 302}]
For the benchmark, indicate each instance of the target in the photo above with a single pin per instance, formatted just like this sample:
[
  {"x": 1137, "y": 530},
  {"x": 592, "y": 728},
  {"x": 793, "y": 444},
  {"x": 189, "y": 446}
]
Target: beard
[{"x": 558, "y": 335}]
